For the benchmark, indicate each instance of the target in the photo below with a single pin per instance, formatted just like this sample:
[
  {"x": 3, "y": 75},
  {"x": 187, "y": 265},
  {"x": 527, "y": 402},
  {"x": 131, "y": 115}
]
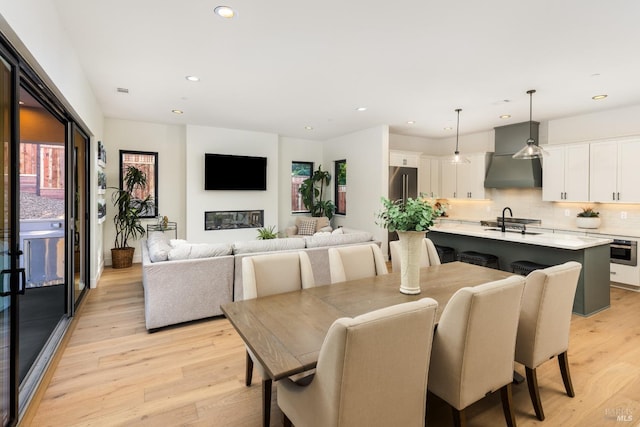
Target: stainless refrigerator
[{"x": 403, "y": 183}]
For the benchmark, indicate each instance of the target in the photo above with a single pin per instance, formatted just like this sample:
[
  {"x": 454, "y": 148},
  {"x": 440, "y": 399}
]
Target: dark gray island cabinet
[{"x": 592, "y": 294}]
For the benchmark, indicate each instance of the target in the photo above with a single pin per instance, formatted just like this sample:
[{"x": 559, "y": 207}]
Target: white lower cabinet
[{"x": 625, "y": 274}]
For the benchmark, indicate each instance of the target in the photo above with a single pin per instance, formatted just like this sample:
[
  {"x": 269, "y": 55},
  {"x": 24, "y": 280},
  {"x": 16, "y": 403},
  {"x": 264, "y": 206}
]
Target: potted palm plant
[
  {"x": 127, "y": 217},
  {"x": 313, "y": 191},
  {"x": 411, "y": 219}
]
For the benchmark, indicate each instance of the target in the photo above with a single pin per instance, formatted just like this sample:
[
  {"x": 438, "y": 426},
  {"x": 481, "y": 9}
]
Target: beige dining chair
[
  {"x": 474, "y": 344},
  {"x": 264, "y": 275},
  {"x": 372, "y": 371},
  {"x": 356, "y": 262},
  {"x": 428, "y": 254},
  {"x": 545, "y": 319}
]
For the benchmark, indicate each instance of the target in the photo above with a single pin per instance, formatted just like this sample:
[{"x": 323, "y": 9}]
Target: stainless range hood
[{"x": 506, "y": 172}]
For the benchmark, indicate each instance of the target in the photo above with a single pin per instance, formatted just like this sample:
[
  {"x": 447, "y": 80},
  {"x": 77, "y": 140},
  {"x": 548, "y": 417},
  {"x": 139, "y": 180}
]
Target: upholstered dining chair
[
  {"x": 372, "y": 371},
  {"x": 270, "y": 274},
  {"x": 545, "y": 319},
  {"x": 356, "y": 262},
  {"x": 474, "y": 344},
  {"x": 428, "y": 254}
]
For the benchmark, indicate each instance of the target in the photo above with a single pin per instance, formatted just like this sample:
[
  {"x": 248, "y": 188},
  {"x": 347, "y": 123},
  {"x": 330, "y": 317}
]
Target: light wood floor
[{"x": 112, "y": 372}]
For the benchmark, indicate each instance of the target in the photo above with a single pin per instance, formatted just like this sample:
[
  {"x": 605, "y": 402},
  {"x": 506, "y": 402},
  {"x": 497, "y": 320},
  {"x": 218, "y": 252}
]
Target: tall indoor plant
[
  {"x": 411, "y": 219},
  {"x": 127, "y": 217},
  {"x": 313, "y": 191}
]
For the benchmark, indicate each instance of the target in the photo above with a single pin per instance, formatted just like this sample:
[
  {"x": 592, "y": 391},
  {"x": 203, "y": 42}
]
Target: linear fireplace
[{"x": 229, "y": 220}]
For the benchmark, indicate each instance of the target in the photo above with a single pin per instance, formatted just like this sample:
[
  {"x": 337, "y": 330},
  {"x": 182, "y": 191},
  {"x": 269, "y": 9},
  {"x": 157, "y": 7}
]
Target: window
[
  {"x": 147, "y": 162},
  {"x": 341, "y": 186},
  {"x": 299, "y": 172}
]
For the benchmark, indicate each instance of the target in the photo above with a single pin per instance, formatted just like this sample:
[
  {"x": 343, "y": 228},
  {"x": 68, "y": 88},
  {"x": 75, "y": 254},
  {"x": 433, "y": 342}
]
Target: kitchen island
[{"x": 592, "y": 294}]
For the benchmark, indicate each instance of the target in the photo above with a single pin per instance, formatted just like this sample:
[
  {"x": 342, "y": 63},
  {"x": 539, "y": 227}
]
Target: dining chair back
[
  {"x": 371, "y": 371},
  {"x": 356, "y": 262},
  {"x": 269, "y": 274},
  {"x": 474, "y": 344},
  {"x": 545, "y": 320},
  {"x": 428, "y": 254}
]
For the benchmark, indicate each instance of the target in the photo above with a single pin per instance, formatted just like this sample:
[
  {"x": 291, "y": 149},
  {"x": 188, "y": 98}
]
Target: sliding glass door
[
  {"x": 44, "y": 236},
  {"x": 9, "y": 276}
]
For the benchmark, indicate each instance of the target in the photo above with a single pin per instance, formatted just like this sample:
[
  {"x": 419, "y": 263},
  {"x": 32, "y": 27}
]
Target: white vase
[
  {"x": 588, "y": 222},
  {"x": 410, "y": 248}
]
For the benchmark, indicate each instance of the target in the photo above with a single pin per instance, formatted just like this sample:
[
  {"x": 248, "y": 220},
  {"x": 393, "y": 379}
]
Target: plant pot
[
  {"x": 410, "y": 247},
  {"x": 588, "y": 222},
  {"x": 122, "y": 257}
]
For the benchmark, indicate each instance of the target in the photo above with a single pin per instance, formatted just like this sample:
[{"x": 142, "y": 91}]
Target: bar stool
[
  {"x": 446, "y": 253},
  {"x": 524, "y": 267},
  {"x": 479, "y": 258}
]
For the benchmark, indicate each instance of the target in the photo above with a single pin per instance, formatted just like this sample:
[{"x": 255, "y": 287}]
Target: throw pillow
[
  {"x": 338, "y": 231},
  {"x": 307, "y": 227}
]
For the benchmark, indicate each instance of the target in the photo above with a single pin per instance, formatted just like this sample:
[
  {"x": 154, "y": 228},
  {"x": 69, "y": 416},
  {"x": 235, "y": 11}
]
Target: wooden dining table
[{"x": 285, "y": 331}]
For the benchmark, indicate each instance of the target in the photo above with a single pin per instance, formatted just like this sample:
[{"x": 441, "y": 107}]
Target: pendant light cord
[
  {"x": 458, "y": 128},
  {"x": 531, "y": 92}
]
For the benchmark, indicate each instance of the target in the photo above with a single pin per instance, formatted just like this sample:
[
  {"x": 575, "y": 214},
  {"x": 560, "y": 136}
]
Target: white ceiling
[{"x": 281, "y": 65}]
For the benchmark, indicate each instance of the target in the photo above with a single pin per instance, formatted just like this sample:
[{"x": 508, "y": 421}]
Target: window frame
[
  {"x": 337, "y": 185},
  {"x": 291, "y": 204}
]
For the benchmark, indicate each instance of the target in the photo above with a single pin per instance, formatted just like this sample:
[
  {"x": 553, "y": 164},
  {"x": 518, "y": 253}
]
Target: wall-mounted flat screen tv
[{"x": 229, "y": 172}]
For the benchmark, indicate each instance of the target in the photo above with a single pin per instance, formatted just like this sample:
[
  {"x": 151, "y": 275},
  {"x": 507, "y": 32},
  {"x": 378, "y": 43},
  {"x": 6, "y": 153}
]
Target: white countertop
[{"x": 553, "y": 240}]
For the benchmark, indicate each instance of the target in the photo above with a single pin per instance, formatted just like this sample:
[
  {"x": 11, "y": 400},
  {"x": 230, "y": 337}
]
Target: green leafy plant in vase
[{"x": 411, "y": 219}]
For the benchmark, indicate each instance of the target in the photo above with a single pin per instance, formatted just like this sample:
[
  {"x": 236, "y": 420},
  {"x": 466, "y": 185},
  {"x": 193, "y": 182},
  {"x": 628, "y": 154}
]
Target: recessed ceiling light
[
  {"x": 597, "y": 97},
  {"x": 505, "y": 116},
  {"x": 193, "y": 78},
  {"x": 224, "y": 12},
  {"x": 308, "y": 127},
  {"x": 411, "y": 122},
  {"x": 122, "y": 90},
  {"x": 177, "y": 111},
  {"x": 448, "y": 128},
  {"x": 361, "y": 109}
]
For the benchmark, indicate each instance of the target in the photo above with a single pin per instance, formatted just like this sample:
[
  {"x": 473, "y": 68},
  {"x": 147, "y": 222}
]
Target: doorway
[{"x": 44, "y": 256}]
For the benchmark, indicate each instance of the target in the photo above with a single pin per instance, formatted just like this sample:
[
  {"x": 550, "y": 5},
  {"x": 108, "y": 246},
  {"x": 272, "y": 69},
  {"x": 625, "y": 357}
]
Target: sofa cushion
[
  {"x": 199, "y": 250},
  {"x": 159, "y": 247},
  {"x": 307, "y": 227},
  {"x": 321, "y": 222},
  {"x": 337, "y": 239},
  {"x": 250, "y": 246}
]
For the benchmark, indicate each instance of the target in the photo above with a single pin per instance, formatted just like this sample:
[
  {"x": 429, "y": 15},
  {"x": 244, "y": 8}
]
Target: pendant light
[
  {"x": 457, "y": 159},
  {"x": 531, "y": 150}
]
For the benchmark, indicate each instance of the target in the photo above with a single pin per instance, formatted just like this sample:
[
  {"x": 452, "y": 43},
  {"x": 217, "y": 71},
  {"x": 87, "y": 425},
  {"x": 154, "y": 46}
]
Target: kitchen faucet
[{"x": 511, "y": 213}]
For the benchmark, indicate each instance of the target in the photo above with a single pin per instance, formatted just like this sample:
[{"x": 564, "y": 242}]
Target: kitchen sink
[{"x": 533, "y": 233}]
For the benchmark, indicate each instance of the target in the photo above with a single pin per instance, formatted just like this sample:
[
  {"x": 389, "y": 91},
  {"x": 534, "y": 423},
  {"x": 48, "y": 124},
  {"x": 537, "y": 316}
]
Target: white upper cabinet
[
  {"x": 429, "y": 176},
  {"x": 464, "y": 181},
  {"x": 565, "y": 173},
  {"x": 404, "y": 158},
  {"x": 614, "y": 172}
]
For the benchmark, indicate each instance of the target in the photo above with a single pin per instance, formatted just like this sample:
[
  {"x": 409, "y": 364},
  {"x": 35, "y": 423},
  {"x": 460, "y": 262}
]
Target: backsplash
[{"x": 527, "y": 203}]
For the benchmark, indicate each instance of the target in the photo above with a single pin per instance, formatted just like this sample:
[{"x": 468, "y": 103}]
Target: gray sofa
[{"x": 184, "y": 282}]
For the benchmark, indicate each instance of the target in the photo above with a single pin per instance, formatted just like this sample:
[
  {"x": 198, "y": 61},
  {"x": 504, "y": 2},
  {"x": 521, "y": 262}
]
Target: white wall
[
  {"x": 34, "y": 30},
  {"x": 367, "y": 155},
  {"x": 166, "y": 140},
  {"x": 290, "y": 150},
  {"x": 589, "y": 127},
  {"x": 201, "y": 140},
  {"x": 479, "y": 142}
]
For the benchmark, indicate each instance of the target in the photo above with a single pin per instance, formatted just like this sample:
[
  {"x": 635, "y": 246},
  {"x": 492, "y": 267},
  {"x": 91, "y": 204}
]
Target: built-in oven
[{"x": 624, "y": 252}]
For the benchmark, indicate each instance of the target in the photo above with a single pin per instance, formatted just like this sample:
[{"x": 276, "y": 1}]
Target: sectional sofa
[{"x": 184, "y": 281}]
